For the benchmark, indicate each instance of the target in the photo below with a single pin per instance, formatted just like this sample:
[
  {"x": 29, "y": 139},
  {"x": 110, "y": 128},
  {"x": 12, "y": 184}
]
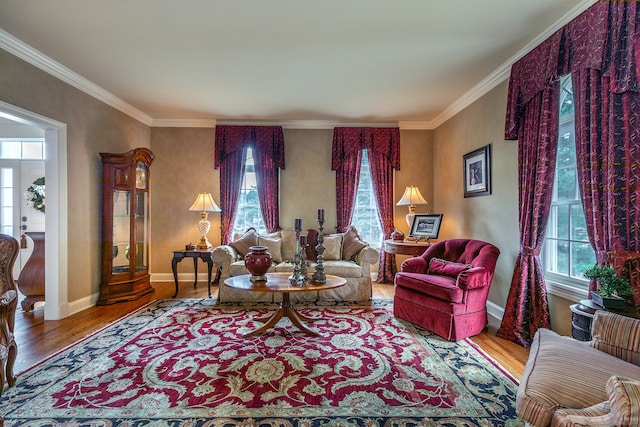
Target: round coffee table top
[{"x": 279, "y": 282}]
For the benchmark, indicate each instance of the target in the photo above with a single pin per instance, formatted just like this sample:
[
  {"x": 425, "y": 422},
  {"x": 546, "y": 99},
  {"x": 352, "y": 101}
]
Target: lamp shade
[
  {"x": 411, "y": 197},
  {"x": 204, "y": 203}
]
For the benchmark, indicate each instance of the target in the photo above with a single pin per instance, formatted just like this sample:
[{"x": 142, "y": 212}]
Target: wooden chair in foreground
[{"x": 8, "y": 302}]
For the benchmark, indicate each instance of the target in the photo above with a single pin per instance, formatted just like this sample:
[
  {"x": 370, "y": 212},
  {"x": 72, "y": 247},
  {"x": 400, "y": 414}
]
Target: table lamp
[
  {"x": 411, "y": 197},
  {"x": 204, "y": 204}
]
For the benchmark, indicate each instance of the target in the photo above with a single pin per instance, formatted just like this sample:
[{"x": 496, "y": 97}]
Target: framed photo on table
[
  {"x": 425, "y": 226},
  {"x": 477, "y": 172}
]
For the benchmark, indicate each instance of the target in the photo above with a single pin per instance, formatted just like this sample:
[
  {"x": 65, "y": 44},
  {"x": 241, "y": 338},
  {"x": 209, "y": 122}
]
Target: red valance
[
  {"x": 268, "y": 140},
  {"x": 347, "y": 141},
  {"x": 605, "y": 37}
]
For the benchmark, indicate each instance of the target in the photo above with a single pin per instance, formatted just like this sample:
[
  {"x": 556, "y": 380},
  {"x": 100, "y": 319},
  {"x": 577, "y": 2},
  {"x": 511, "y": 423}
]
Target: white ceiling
[{"x": 344, "y": 61}]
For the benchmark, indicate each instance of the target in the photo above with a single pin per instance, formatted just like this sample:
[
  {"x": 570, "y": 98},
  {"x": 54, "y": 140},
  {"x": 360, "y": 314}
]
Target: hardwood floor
[{"x": 38, "y": 339}]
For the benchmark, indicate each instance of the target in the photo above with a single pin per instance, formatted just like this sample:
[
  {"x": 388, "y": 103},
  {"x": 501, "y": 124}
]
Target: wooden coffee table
[{"x": 279, "y": 282}]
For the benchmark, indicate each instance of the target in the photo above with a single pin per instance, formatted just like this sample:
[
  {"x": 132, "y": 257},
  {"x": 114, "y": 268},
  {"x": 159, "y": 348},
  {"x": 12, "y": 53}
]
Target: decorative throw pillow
[
  {"x": 624, "y": 397},
  {"x": 351, "y": 244},
  {"x": 273, "y": 245},
  {"x": 288, "y": 244},
  {"x": 443, "y": 267},
  {"x": 244, "y": 242},
  {"x": 332, "y": 247}
]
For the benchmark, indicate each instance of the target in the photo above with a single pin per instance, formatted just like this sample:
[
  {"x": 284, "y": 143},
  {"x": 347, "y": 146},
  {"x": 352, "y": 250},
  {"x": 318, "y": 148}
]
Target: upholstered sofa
[
  {"x": 568, "y": 383},
  {"x": 345, "y": 255}
]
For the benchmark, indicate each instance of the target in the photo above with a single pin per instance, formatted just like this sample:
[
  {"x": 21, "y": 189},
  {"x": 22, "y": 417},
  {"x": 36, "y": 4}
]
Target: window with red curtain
[
  {"x": 383, "y": 145},
  {"x": 267, "y": 143}
]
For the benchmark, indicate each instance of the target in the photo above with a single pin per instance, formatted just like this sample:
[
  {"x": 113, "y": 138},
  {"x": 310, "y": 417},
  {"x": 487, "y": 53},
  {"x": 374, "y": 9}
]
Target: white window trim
[{"x": 565, "y": 287}]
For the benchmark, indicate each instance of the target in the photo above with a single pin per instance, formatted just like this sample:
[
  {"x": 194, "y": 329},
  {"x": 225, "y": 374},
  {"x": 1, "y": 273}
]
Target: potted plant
[{"x": 611, "y": 288}]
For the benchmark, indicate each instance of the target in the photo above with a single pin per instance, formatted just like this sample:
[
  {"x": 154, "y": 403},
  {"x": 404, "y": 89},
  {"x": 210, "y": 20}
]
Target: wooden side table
[
  {"x": 400, "y": 247},
  {"x": 205, "y": 255}
]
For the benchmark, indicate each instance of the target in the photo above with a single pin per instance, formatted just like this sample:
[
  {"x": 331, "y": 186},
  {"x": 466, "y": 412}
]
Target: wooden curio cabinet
[{"x": 125, "y": 226}]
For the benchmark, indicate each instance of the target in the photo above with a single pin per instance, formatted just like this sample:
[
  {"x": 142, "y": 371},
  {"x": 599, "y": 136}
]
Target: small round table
[
  {"x": 400, "y": 247},
  {"x": 279, "y": 282}
]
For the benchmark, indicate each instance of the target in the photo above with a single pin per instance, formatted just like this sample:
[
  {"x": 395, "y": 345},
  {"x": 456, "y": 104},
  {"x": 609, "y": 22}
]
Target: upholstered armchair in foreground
[
  {"x": 445, "y": 289},
  {"x": 8, "y": 302}
]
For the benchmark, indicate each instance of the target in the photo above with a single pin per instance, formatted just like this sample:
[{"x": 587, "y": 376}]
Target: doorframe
[{"x": 56, "y": 250}]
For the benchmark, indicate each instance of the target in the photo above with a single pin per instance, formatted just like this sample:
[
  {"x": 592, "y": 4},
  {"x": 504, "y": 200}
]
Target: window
[
  {"x": 365, "y": 212},
  {"x": 567, "y": 251},
  {"x": 22, "y": 149},
  {"x": 248, "y": 214}
]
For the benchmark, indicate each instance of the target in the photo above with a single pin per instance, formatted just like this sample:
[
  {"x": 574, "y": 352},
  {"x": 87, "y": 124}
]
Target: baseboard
[
  {"x": 495, "y": 313},
  {"x": 182, "y": 277},
  {"x": 82, "y": 304}
]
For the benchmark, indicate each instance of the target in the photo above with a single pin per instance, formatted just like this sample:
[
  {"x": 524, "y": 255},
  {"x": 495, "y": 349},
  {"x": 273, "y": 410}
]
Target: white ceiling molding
[
  {"x": 503, "y": 72},
  {"x": 183, "y": 123},
  {"x": 48, "y": 65}
]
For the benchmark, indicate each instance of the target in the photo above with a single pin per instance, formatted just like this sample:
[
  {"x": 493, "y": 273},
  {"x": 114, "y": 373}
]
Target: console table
[{"x": 205, "y": 255}]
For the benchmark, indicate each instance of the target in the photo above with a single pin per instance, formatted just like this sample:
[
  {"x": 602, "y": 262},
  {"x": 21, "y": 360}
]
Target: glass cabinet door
[
  {"x": 121, "y": 231},
  {"x": 142, "y": 230}
]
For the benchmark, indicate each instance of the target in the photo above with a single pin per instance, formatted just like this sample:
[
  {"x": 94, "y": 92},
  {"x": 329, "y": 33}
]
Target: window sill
[{"x": 566, "y": 290}]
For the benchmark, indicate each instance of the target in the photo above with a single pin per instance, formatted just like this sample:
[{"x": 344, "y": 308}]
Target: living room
[
  {"x": 431, "y": 158},
  {"x": 81, "y": 126}
]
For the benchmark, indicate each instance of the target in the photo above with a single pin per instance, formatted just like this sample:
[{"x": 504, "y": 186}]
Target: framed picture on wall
[
  {"x": 425, "y": 226},
  {"x": 477, "y": 172}
]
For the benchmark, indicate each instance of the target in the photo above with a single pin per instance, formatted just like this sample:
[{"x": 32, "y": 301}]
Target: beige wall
[
  {"x": 183, "y": 166},
  {"x": 92, "y": 127}
]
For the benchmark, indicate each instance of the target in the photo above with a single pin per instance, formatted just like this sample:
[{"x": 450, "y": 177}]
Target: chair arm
[
  {"x": 616, "y": 335},
  {"x": 222, "y": 257},
  {"x": 414, "y": 265},
  {"x": 476, "y": 277},
  {"x": 367, "y": 255}
]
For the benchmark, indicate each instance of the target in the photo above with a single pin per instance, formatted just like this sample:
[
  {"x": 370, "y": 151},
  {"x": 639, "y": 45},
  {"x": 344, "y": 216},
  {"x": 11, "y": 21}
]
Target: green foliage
[{"x": 610, "y": 284}]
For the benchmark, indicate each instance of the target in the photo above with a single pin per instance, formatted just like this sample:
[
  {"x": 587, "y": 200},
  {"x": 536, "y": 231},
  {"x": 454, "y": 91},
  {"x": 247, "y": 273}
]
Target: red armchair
[{"x": 445, "y": 289}]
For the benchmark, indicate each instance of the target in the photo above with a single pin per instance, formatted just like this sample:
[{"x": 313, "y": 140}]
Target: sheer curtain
[
  {"x": 600, "y": 48},
  {"x": 267, "y": 143}
]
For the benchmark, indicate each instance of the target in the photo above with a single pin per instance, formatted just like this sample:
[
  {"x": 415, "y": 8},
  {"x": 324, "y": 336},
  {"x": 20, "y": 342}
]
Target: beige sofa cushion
[
  {"x": 244, "y": 242},
  {"x": 564, "y": 373},
  {"x": 351, "y": 244},
  {"x": 273, "y": 245},
  {"x": 288, "y": 244},
  {"x": 332, "y": 247}
]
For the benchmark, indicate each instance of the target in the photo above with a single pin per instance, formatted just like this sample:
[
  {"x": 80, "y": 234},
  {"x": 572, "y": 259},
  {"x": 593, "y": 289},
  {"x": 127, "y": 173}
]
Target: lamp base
[
  {"x": 204, "y": 243},
  {"x": 409, "y": 219}
]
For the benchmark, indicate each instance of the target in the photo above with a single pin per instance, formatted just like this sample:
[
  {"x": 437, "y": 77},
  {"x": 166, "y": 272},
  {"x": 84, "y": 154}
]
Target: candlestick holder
[
  {"x": 297, "y": 278},
  {"x": 319, "y": 275}
]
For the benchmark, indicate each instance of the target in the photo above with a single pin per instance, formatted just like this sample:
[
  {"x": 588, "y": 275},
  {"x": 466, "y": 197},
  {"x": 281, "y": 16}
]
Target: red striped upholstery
[
  {"x": 563, "y": 373},
  {"x": 617, "y": 335}
]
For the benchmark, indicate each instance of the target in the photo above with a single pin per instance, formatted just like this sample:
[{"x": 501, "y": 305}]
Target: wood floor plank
[{"x": 38, "y": 339}]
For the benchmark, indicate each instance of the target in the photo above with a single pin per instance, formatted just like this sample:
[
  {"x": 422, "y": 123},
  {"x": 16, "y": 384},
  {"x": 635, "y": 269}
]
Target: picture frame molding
[{"x": 476, "y": 165}]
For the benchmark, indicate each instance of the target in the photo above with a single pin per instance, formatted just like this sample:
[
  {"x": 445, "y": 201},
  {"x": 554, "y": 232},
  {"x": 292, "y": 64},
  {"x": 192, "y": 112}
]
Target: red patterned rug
[{"x": 185, "y": 363}]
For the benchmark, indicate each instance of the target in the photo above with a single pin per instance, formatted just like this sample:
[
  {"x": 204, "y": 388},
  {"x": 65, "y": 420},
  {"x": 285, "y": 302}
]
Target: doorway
[{"x": 56, "y": 252}]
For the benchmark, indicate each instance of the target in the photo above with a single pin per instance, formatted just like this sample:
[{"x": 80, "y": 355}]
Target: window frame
[
  {"x": 565, "y": 286},
  {"x": 249, "y": 157}
]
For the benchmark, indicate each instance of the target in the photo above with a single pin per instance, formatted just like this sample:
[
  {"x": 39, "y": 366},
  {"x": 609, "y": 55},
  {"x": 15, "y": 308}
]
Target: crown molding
[
  {"x": 504, "y": 71},
  {"x": 48, "y": 65},
  {"x": 183, "y": 123}
]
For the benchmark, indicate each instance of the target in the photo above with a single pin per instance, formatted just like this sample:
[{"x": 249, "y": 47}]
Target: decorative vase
[{"x": 258, "y": 261}]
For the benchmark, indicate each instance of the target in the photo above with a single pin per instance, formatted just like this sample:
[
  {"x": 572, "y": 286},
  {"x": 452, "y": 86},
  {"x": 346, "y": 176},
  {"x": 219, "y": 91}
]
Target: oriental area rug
[{"x": 185, "y": 362}]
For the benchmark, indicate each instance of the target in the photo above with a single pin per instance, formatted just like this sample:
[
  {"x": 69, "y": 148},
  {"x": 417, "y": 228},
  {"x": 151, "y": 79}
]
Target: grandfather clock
[{"x": 125, "y": 226}]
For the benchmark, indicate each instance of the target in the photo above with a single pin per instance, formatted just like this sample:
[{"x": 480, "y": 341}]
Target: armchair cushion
[
  {"x": 617, "y": 335},
  {"x": 624, "y": 396},
  {"x": 446, "y": 268}
]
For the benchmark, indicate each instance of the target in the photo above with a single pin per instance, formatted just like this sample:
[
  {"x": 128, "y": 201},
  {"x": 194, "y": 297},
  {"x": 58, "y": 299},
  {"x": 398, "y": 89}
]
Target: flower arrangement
[{"x": 35, "y": 195}]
